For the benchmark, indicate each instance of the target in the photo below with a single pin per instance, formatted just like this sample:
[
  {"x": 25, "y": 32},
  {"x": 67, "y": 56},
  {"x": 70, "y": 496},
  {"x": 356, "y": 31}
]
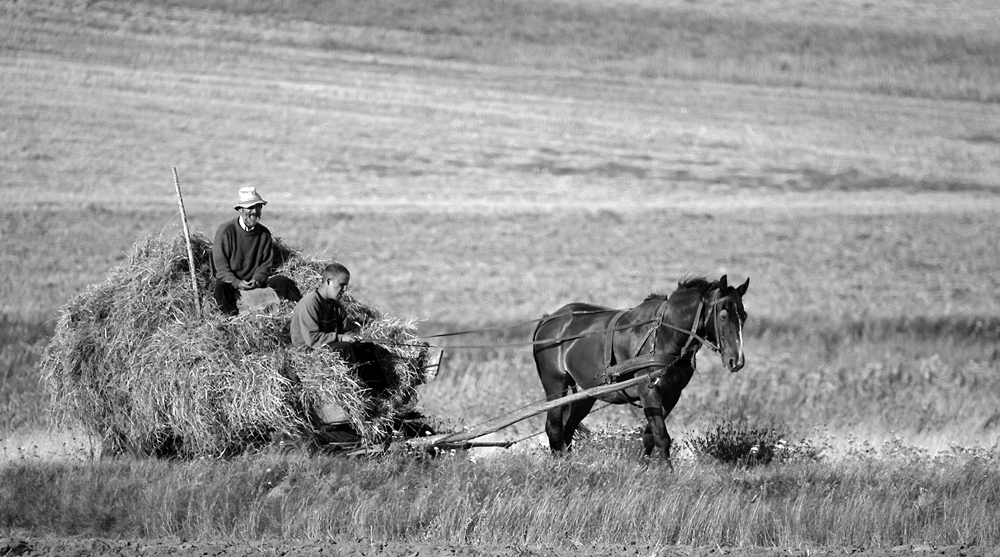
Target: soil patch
[{"x": 73, "y": 546}]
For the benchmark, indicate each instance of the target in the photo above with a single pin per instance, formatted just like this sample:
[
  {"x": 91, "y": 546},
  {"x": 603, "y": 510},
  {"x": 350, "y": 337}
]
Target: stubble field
[{"x": 469, "y": 179}]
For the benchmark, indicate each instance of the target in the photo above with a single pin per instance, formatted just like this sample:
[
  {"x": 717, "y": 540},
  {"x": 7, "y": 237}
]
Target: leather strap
[
  {"x": 640, "y": 362},
  {"x": 693, "y": 334},
  {"x": 609, "y": 338}
]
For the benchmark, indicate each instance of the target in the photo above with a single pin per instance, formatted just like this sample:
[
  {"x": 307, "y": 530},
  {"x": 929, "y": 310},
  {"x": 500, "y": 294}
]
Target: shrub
[{"x": 743, "y": 443}]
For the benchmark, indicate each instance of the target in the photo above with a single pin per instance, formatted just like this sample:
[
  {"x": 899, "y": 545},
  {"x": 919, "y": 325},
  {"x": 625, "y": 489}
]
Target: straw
[{"x": 132, "y": 363}]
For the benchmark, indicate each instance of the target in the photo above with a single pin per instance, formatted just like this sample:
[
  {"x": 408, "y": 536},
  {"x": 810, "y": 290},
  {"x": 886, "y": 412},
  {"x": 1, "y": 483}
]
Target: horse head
[{"x": 726, "y": 322}]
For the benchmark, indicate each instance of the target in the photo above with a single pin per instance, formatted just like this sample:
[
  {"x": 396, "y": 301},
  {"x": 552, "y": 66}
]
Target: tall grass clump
[{"x": 133, "y": 363}]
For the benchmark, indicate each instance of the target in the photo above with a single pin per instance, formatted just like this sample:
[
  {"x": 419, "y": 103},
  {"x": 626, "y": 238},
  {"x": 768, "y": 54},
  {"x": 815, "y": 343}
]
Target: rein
[
  {"x": 504, "y": 327},
  {"x": 657, "y": 321},
  {"x": 511, "y": 326}
]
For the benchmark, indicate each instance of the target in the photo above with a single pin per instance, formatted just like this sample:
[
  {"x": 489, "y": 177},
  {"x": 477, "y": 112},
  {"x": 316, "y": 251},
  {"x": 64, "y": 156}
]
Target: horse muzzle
[{"x": 733, "y": 364}]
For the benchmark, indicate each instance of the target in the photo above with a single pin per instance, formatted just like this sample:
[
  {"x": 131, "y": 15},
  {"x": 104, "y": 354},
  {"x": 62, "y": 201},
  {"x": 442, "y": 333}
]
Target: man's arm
[
  {"x": 221, "y": 248},
  {"x": 268, "y": 260}
]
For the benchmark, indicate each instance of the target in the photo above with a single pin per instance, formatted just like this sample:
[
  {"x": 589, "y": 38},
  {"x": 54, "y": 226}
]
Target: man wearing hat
[{"x": 244, "y": 256}]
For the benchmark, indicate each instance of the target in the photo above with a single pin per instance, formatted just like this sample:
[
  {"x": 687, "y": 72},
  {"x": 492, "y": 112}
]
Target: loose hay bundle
[{"x": 131, "y": 363}]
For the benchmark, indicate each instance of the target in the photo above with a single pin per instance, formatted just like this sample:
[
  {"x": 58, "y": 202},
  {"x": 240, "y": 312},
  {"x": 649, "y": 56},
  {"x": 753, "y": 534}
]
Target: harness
[{"x": 638, "y": 361}]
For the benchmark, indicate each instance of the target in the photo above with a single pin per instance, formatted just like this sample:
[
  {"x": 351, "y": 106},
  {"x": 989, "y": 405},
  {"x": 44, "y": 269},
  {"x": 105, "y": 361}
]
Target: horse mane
[{"x": 699, "y": 284}]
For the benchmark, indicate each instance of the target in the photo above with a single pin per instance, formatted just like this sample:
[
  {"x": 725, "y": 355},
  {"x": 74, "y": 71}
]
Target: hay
[{"x": 132, "y": 363}]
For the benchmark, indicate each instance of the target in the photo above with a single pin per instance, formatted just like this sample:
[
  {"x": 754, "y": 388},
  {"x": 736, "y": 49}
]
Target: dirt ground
[{"x": 81, "y": 546}]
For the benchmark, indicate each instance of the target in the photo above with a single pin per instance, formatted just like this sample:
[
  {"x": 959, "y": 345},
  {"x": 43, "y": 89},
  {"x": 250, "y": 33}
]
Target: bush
[{"x": 743, "y": 443}]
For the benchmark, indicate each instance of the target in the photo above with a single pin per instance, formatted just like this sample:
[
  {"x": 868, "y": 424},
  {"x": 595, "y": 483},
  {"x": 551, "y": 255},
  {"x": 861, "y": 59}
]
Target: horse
[{"x": 585, "y": 345}]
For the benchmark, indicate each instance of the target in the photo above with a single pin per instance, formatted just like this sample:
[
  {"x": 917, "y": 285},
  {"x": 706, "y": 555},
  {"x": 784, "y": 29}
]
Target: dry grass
[
  {"x": 860, "y": 201},
  {"x": 133, "y": 362},
  {"x": 847, "y": 313},
  {"x": 942, "y": 52},
  {"x": 22, "y": 403},
  {"x": 232, "y": 99},
  {"x": 878, "y": 497}
]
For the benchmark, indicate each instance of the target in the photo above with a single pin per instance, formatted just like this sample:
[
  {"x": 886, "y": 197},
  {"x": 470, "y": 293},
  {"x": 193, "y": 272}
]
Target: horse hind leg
[
  {"x": 562, "y": 423},
  {"x": 577, "y": 412},
  {"x": 554, "y": 421},
  {"x": 556, "y": 418}
]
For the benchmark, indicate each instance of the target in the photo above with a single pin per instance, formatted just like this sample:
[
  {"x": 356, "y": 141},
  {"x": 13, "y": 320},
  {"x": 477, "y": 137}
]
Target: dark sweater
[{"x": 240, "y": 255}]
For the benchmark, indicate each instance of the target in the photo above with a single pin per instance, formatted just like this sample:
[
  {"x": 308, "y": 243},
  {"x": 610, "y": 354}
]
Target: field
[{"x": 479, "y": 164}]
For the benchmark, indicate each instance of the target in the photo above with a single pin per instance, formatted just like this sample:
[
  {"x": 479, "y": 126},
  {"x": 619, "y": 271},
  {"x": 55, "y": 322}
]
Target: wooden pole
[
  {"x": 496, "y": 424},
  {"x": 187, "y": 241}
]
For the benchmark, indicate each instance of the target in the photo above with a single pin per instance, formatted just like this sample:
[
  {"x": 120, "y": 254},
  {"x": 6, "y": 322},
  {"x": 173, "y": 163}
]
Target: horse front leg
[
  {"x": 661, "y": 401},
  {"x": 655, "y": 435}
]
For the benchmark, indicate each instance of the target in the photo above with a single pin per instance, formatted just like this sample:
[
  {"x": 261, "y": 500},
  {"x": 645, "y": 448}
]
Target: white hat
[{"x": 249, "y": 197}]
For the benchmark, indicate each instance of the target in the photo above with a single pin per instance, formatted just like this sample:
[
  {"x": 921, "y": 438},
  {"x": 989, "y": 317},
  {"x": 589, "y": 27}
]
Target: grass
[
  {"x": 22, "y": 400},
  {"x": 480, "y": 164},
  {"x": 929, "y": 375},
  {"x": 885, "y": 497},
  {"x": 880, "y": 345},
  {"x": 936, "y": 59}
]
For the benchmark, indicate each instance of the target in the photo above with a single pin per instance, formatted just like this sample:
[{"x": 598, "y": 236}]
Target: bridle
[{"x": 692, "y": 335}]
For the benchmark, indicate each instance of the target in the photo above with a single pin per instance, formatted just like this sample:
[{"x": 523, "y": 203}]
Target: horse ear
[
  {"x": 742, "y": 289},
  {"x": 723, "y": 283}
]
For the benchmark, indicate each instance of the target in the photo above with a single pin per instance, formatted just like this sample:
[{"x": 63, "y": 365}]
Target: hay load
[{"x": 132, "y": 363}]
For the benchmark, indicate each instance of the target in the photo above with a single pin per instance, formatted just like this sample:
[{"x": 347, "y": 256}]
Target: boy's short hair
[{"x": 334, "y": 270}]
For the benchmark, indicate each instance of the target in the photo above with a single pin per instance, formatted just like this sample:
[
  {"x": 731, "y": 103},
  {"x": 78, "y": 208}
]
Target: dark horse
[{"x": 592, "y": 345}]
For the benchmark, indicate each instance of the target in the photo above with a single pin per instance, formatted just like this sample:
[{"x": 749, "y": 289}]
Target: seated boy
[{"x": 319, "y": 320}]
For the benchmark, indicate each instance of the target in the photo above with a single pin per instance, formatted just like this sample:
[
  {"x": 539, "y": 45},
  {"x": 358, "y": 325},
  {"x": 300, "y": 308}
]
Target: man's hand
[
  {"x": 246, "y": 285},
  {"x": 348, "y": 337}
]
